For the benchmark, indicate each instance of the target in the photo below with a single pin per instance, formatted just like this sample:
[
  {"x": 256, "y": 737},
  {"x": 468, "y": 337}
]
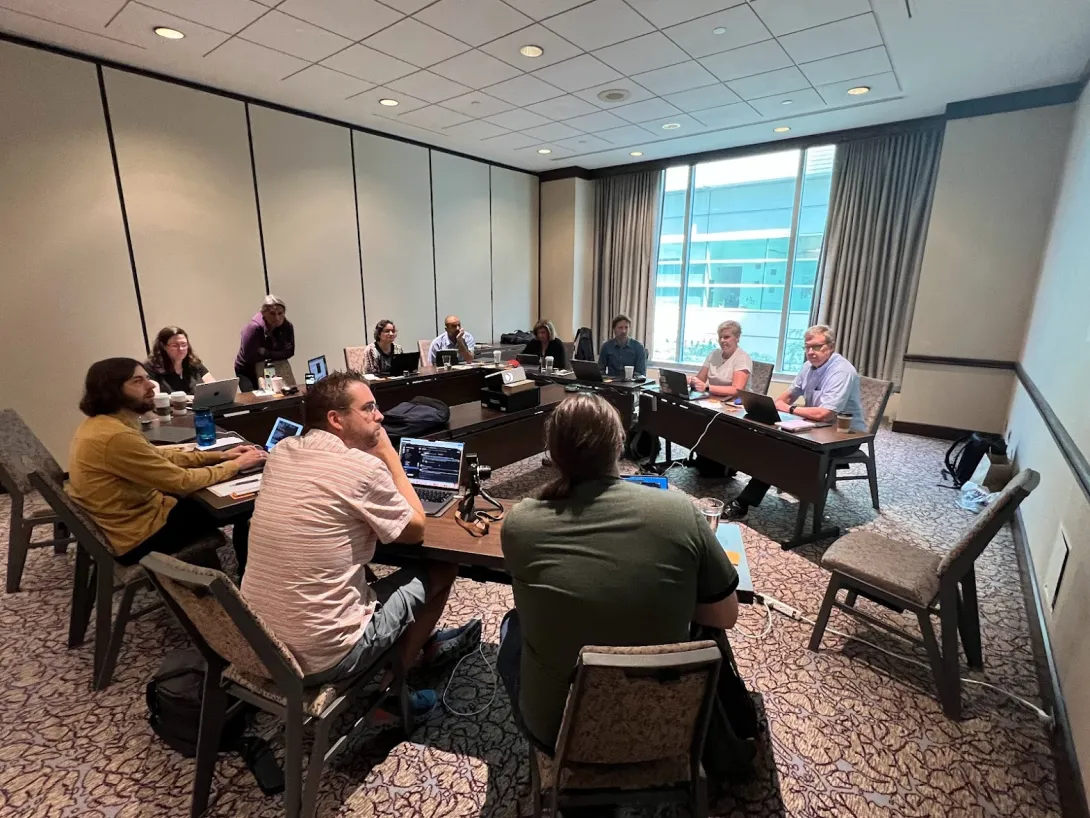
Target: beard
[{"x": 139, "y": 405}]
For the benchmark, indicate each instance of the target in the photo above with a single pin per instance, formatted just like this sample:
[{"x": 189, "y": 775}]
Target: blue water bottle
[{"x": 206, "y": 427}]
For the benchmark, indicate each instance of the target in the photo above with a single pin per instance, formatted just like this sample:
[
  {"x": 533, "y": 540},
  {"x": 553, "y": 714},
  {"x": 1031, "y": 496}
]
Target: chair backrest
[
  {"x": 283, "y": 370},
  {"x": 83, "y": 528},
  {"x": 760, "y": 378},
  {"x": 635, "y": 704},
  {"x": 987, "y": 523},
  {"x": 584, "y": 345},
  {"x": 875, "y": 395},
  {"x": 21, "y": 452},
  {"x": 569, "y": 350},
  {"x": 424, "y": 347},
  {"x": 217, "y": 618},
  {"x": 355, "y": 357}
]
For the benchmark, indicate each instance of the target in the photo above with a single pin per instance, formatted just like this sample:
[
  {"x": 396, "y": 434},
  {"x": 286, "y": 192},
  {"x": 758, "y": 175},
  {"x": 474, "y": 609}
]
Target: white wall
[{"x": 514, "y": 250}]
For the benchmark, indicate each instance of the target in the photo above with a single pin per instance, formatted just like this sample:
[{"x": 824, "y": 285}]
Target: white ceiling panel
[
  {"x": 368, "y": 102},
  {"x": 368, "y": 64},
  {"x": 565, "y": 107},
  {"x": 135, "y": 23},
  {"x": 599, "y": 23},
  {"x": 552, "y": 132},
  {"x": 293, "y": 36},
  {"x": 598, "y": 121},
  {"x": 89, "y": 15},
  {"x": 404, "y": 6},
  {"x": 511, "y": 141},
  {"x": 584, "y": 143},
  {"x": 225, "y": 15},
  {"x": 628, "y": 135},
  {"x": 578, "y": 73},
  {"x": 773, "y": 82},
  {"x": 540, "y": 9},
  {"x": 710, "y": 96},
  {"x": 785, "y": 16},
  {"x": 881, "y": 86},
  {"x": 636, "y": 93},
  {"x": 518, "y": 119},
  {"x": 414, "y": 42},
  {"x": 475, "y": 129},
  {"x": 354, "y": 19},
  {"x": 853, "y": 34},
  {"x": 847, "y": 66},
  {"x": 746, "y": 61},
  {"x": 319, "y": 82},
  {"x": 663, "y": 13},
  {"x": 249, "y": 63},
  {"x": 475, "y": 69},
  {"x": 558, "y": 153},
  {"x": 649, "y": 109},
  {"x": 727, "y": 116},
  {"x": 675, "y": 78},
  {"x": 477, "y": 104},
  {"x": 428, "y": 86},
  {"x": 433, "y": 116},
  {"x": 687, "y": 125},
  {"x": 474, "y": 21},
  {"x": 524, "y": 90},
  {"x": 556, "y": 48},
  {"x": 740, "y": 27},
  {"x": 642, "y": 54},
  {"x": 786, "y": 105}
]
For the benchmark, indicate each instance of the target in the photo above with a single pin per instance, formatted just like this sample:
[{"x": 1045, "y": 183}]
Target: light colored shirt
[
  {"x": 721, "y": 372},
  {"x": 376, "y": 361},
  {"x": 614, "y": 357},
  {"x": 321, "y": 510},
  {"x": 444, "y": 342},
  {"x": 834, "y": 385}
]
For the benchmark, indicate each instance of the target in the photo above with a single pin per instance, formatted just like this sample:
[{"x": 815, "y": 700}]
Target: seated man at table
[
  {"x": 829, "y": 385},
  {"x": 326, "y": 499},
  {"x": 130, "y": 488},
  {"x": 621, "y": 351},
  {"x": 454, "y": 338},
  {"x": 599, "y": 561}
]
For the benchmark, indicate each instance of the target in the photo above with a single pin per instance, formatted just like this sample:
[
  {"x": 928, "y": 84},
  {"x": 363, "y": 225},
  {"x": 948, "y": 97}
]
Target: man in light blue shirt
[
  {"x": 830, "y": 386},
  {"x": 621, "y": 351},
  {"x": 454, "y": 338}
]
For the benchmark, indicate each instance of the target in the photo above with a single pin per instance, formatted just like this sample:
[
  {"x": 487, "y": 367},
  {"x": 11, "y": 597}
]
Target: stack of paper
[{"x": 249, "y": 484}]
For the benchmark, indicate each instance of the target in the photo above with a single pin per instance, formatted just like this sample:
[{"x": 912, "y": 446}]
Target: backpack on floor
[{"x": 416, "y": 418}]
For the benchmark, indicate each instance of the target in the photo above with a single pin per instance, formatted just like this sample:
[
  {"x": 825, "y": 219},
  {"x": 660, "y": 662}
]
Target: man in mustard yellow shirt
[{"x": 127, "y": 485}]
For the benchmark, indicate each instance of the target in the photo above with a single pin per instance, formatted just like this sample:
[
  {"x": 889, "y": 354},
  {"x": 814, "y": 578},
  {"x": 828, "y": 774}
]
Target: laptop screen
[
  {"x": 433, "y": 463},
  {"x": 317, "y": 367},
  {"x": 281, "y": 429}
]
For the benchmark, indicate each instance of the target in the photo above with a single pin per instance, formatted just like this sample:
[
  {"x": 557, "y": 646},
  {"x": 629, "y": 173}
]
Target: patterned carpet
[{"x": 851, "y": 731}]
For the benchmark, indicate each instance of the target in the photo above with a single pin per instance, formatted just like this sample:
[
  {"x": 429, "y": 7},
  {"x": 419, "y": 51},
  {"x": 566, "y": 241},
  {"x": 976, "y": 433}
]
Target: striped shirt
[{"x": 321, "y": 510}]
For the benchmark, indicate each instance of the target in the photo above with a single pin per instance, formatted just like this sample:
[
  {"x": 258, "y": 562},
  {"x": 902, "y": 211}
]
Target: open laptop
[
  {"x": 281, "y": 429},
  {"x": 434, "y": 467},
  {"x": 447, "y": 356},
  {"x": 672, "y": 382},
  {"x": 317, "y": 367},
  {"x": 528, "y": 360},
  {"x": 761, "y": 408},
  {"x": 587, "y": 370},
  {"x": 216, "y": 393},
  {"x": 404, "y": 362}
]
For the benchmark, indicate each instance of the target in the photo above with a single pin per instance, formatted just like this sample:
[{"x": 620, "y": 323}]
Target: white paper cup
[
  {"x": 629, "y": 372},
  {"x": 278, "y": 384},
  {"x": 178, "y": 402},
  {"x": 548, "y": 363},
  {"x": 496, "y": 355},
  {"x": 162, "y": 404}
]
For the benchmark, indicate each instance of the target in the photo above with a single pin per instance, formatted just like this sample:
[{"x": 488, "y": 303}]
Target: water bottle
[
  {"x": 206, "y": 427},
  {"x": 270, "y": 373}
]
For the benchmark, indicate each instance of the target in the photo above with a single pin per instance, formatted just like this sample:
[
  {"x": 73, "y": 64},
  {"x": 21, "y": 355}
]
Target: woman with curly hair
[{"x": 173, "y": 364}]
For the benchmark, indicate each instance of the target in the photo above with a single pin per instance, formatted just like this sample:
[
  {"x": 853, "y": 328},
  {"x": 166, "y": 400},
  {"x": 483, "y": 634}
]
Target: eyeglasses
[
  {"x": 816, "y": 347},
  {"x": 369, "y": 408}
]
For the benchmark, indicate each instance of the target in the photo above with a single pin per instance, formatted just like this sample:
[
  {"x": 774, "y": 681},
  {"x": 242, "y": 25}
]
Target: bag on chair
[
  {"x": 416, "y": 418},
  {"x": 519, "y": 336}
]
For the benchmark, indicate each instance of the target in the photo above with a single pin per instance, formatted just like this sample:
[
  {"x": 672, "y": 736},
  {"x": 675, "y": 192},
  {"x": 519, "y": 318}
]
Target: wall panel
[
  {"x": 308, "y": 217},
  {"x": 514, "y": 250},
  {"x": 66, "y": 288},
  {"x": 463, "y": 266},
  {"x": 185, "y": 169}
]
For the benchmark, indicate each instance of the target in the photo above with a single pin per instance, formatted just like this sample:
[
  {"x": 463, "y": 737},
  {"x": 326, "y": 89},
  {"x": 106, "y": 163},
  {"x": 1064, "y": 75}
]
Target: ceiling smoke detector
[{"x": 614, "y": 95}]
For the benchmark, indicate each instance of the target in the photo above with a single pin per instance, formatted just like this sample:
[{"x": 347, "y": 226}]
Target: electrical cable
[
  {"x": 767, "y": 629},
  {"x": 454, "y": 673}
]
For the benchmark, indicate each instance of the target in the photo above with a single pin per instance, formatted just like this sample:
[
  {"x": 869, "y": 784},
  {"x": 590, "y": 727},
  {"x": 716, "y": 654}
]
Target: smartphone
[{"x": 308, "y": 379}]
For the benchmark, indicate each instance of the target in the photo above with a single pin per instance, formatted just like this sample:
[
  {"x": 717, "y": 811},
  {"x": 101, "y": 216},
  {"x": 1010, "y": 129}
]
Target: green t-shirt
[{"x": 615, "y": 563}]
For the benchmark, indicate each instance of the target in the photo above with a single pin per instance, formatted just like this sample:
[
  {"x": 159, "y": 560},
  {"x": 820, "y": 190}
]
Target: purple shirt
[{"x": 260, "y": 344}]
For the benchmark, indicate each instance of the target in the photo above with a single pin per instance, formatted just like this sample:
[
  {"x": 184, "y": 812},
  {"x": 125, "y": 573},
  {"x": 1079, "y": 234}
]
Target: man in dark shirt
[
  {"x": 269, "y": 336},
  {"x": 621, "y": 351}
]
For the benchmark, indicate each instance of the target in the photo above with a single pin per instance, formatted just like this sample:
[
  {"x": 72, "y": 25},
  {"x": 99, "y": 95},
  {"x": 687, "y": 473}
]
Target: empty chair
[
  {"x": 283, "y": 370},
  {"x": 875, "y": 394},
  {"x": 760, "y": 378},
  {"x": 633, "y": 729},
  {"x": 905, "y": 577},
  {"x": 355, "y": 358},
  {"x": 247, "y": 661},
  {"x": 21, "y": 452},
  {"x": 425, "y": 348}
]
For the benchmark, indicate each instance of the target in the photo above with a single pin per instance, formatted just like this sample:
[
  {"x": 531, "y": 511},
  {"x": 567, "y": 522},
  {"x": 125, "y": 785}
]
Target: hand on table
[
  {"x": 236, "y": 452},
  {"x": 251, "y": 457},
  {"x": 697, "y": 384},
  {"x": 783, "y": 407}
]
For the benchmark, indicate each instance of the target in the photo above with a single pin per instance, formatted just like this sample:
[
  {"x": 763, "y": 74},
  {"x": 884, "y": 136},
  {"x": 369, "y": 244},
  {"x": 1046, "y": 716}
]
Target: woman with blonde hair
[
  {"x": 726, "y": 370},
  {"x": 546, "y": 343}
]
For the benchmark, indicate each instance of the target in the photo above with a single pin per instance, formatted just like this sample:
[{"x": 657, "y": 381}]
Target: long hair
[
  {"x": 102, "y": 388},
  {"x": 547, "y": 326},
  {"x": 160, "y": 358},
  {"x": 584, "y": 437},
  {"x": 380, "y": 326}
]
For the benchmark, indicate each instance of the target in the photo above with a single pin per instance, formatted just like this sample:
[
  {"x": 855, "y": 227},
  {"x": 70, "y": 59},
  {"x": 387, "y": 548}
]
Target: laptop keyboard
[{"x": 433, "y": 495}]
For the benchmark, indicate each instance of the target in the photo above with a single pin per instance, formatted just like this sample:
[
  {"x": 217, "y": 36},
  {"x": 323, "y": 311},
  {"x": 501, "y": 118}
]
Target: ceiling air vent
[{"x": 614, "y": 95}]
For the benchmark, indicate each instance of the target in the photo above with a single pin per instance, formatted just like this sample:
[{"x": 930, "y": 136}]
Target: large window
[{"x": 740, "y": 239}]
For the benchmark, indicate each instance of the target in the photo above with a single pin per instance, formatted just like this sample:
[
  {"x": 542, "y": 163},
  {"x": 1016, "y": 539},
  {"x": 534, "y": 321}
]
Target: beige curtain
[
  {"x": 626, "y": 211},
  {"x": 879, "y": 208}
]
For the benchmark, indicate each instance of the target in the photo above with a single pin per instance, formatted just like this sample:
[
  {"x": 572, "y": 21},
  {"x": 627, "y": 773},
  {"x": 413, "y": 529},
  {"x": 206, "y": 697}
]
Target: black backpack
[
  {"x": 519, "y": 336},
  {"x": 584, "y": 346},
  {"x": 965, "y": 454},
  {"x": 416, "y": 418}
]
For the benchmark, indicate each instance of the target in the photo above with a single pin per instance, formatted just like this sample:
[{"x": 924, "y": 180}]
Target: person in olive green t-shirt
[{"x": 600, "y": 561}]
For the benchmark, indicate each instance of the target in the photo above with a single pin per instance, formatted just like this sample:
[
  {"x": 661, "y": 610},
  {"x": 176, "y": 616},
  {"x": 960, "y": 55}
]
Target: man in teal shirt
[{"x": 621, "y": 351}]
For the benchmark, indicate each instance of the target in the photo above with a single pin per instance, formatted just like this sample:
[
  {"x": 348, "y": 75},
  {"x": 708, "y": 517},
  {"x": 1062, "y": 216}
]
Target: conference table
[
  {"x": 796, "y": 462},
  {"x": 621, "y": 394}
]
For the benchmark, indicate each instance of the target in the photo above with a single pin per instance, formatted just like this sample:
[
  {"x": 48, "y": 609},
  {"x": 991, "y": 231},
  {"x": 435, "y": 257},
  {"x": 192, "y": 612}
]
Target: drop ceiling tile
[
  {"x": 354, "y": 19},
  {"x": 414, "y": 42},
  {"x": 688, "y": 124},
  {"x": 698, "y": 37},
  {"x": 428, "y": 86},
  {"x": 578, "y": 73},
  {"x": 473, "y": 21},
  {"x": 628, "y": 135},
  {"x": 518, "y": 120},
  {"x": 556, "y": 153},
  {"x": 369, "y": 101},
  {"x": 675, "y": 78},
  {"x": 663, "y": 13},
  {"x": 510, "y": 141},
  {"x": 477, "y": 105},
  {"x": 853, "y": 34},
  {"x": 475, "y": 69},
  {"x": 320, "y": 83},
  {"x": 407, "y": 6},
  {"x": 556, "y": 48},
  {"x": 727, "y": 116},
  {"x": 224, "y": 15},
  {"x": 599, "y": 23},
  {"x": 540, "y": 9},
  {"x": 249, "y": 63},
  {"x": 584, "y": 143},
  {"x": 785, "y": 16},
  {"x": 881, "y": 86},
  {"x": 748, "y": 60},
  {"x": 647, "y": 110},
  {"x": 767, "y": 84},
  {"x": 296, "y": 37},
  {"x": 434, "y": 117},
  {"x": 368, "y": 64},
  {"x": 598, "y": 121},
  {"x": 564, "y": 107},
  {"x": 641, "y": 54},
  {"x": 476, "y": 129},
  {"x": 636, "y": 93},
  {"x": 524, "y": 90},
  {"x": 552, "y": 132},
  {"x": 134, "y": 24},
  {"x": 791, "y": 104},
  {"x": 87, "y": 15},
  {"x": 710, "y": 96},
  {"x": 848, "y": 66}
]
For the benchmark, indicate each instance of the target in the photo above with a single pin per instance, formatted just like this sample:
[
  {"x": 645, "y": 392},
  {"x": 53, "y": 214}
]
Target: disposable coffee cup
[
  {"x": 178, "y": 402},
  {"x": 496, "y": 355},
  {"x": 548, "y": 363},
  {"x": 278, "y": 384},
  {"x": 843, "y": 422},
  {"x": 162, "y": 405},
  {"x": 147, "y": 418},
  {"x": 711, "y": 509},
  {"x": 629, "y": 372}
]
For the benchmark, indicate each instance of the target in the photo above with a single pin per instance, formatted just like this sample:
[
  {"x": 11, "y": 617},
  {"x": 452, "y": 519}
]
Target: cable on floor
[
  {"x": 454, "y": 673},
  {"x": 767, "y": 629}
]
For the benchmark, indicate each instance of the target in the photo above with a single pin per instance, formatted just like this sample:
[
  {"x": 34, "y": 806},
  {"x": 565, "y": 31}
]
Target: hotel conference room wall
[{"x": 193, "y": 209}]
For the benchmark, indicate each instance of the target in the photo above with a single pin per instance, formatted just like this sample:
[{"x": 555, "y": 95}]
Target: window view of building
[{"x": 740, "y": 239}]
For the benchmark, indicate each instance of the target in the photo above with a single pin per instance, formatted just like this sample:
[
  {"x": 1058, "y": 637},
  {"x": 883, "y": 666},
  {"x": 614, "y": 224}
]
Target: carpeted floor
[{"x": 851, "y": 731}]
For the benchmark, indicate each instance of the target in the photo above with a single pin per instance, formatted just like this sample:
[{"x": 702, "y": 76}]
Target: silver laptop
[
  {"x": 216, "y": 393},
  {"x": 434, "y": 467}
]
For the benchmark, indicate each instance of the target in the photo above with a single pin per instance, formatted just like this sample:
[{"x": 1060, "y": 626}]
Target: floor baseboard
[{"x": 928, "y": 430}]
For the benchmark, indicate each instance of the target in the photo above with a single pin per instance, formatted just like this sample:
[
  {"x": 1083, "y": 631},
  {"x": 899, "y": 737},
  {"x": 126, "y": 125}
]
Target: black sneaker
[{"x": 737, "y": 510}]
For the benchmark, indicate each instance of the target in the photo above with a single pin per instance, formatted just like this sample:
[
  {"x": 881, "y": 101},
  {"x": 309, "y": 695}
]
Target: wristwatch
[{"x": 791, "y": 409}]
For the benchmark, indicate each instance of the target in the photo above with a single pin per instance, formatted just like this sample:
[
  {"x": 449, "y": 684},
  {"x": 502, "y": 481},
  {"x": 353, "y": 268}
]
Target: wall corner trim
[{"x": 1016, "y": 101}]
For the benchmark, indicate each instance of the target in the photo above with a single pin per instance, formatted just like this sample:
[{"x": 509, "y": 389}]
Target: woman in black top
[
  {"x": 173, "y": 364},
  {"x": 546, "y": 343}
]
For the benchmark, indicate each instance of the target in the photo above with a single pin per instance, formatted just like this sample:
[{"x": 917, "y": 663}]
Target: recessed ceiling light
[
  {"x": 531, "y": 51},
  {"x": 168, "y": 33},
  {"x": 781, "y": 129},
  {"x": 859, "y": 90},
  {"x": 786, "y": 101},
  {"x": 719, "y": 30},
  {"x": 671, "y": 126},
  {"x": 613, "y": 95},
  {"x": 636, "y": 153},
  {"x": 389, "y": 103},
  {"x": 543, "y": 150}
]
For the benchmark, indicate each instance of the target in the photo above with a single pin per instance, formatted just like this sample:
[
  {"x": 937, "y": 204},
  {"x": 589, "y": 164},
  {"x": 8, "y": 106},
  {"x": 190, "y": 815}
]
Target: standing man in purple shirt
[{"x": 268, "y": 337}]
